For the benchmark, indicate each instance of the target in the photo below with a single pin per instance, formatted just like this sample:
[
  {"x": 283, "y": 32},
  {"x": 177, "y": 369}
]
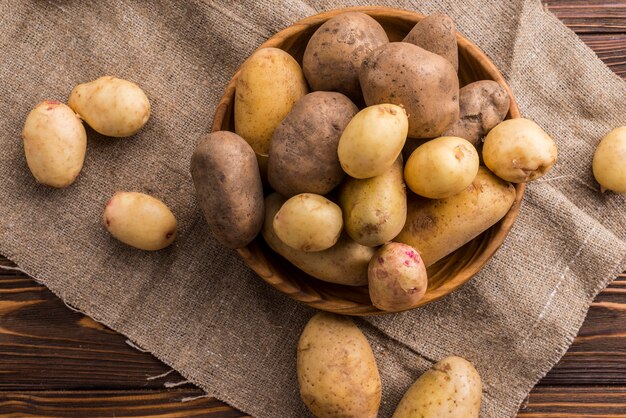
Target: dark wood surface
[{"x": 57, "y": 362}]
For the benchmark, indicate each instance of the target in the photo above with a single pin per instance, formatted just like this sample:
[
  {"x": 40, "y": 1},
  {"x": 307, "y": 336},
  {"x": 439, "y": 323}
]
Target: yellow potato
[
  {"x": 435, "y": 228},
  {"x": 373, "y": 140},
  {"x": 308, "y": 222},
  {"x": 441, "y": 167},
  {"x": 449, "y": 389},
  {"x": 139, "y": 220},
  {"x": 343, "y": 263},
  {"x": 336, "y": 368},
  {"x": 54, "y": 143},
  {"x": 374, "y": 209},
  {"x": 111, "y": 106},
  {"x": 609, "y": 161},
  {"x": 270, "y": 83},
  {"x": 518, "y": 150}
]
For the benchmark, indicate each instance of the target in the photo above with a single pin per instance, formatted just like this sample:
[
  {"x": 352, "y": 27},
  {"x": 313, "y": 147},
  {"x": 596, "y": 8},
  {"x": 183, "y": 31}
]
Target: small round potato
[
  {"x": 308, "y": 222},
  {"x": 609, "y": 161},
  {"x": 436, "y": 33},
  {"x": 449, "y": 389},
  {"x": 396, "y": 277},
  {"x": 54, "y": 143},
  {"x": 111, "y": 106},
  {"x": 140, "y": 220},
  {"x": 518, "y": 150},
  {"x": 373, "y": 140},
  {"x": 336, "y": 50},
  {"x": 336, "y": 369},
  {"x": 442, "y": 167}
]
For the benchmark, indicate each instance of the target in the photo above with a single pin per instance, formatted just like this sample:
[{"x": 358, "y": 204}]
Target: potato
[
  {"x": 483, "y": 105},
  {"x": 411, "y": 145},
  {"x": 435, "y": 228},
  {"x": 396, "y": 277},
  {"x": 308, "y": 222},
  {"x": 343, "y": 263},
  {"x": 436, "y": 33},
  {"x": 228, "y": 187},
  {"x": 609, "y": 161},
  {"x": 111, "y": 106},
  {"x": 441, "y": 167},
  {"x": 425, "y": 84},
  {"x": 54, "y": 143},
  {"x": 336, "y": 50},
  {"x": 139, "y": 220},
  {"x": 449, "y": 389},
  {"x": 270, "y": 83},
  {"x": 374, "y": 209},
  {"x": 518, "y": 150},
  {"x": 303, "y": 151},
  {"x": 373, "y": 140},
  {"x": 336, "y": 369}
]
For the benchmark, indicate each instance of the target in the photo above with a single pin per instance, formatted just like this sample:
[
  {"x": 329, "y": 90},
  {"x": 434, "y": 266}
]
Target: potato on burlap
[
  {"x": 336, "y": 369},
  {"x": 436, "y": 33},
  {"x": 609, "y": 161}
]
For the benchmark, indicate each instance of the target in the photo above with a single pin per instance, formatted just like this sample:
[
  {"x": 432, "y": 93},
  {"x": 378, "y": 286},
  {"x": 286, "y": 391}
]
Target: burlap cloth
[{"x": 195, "y": 305}]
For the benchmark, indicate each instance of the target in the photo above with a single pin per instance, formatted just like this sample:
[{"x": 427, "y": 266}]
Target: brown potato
[
  {"x": 337, "y": 372},
  {"x": 334, "y": 53},
  {"x": 436, "y": 33},
  {"x": 483, "y": 105},
  {"x": 396, "y": 277},
  {"x": 343, "y": 263},
  {"x": 228, "y": 186},
  {"x": 303, "y": 151},
  {"x": 426, "y": 84},
  {"x": 435, "y": 228}
]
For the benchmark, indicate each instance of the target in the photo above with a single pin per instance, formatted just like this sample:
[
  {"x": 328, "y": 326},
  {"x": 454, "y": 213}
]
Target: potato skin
[
  {"x": 269, "y": 85},
  {"x": 308, "y": 222},
  {"x": 436, "y": 228},
  {"x": 343, "y": 263},
  {"x": 426, "y": 84},
  {"x": 336, "y": 50},
  {"x": 111, "y": 106},
  {"x": 373, "y": 140},
  {"x": 374, "y": 209},
  {"x": 436, "y": 33},
  {"x": 449, "y": 389},
  {"x": 336, "y": 369},
  {"x": 396, "y": 277},
  {"x": 303, "y": 151},
  {"x": 228, "y": 187},
  {"x": 55, "y": 143},
  {"x": 609, "y": 168},
  {"x": 483, "y": 105},
  {"x": 518, "y": 150},
  {"x": 441, "y": 167},
  {"x": 139, "y": 220}
]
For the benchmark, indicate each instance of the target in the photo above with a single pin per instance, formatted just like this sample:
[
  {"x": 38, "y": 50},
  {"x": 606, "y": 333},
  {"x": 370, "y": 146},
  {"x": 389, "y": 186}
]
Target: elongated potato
[
  {"x": 336, "y": 369},
  {"x": 111, "y": 106},
  {"x": 54, "y": 143},
  {"x": 140, "y": 220},
  {"x": 436, "y": 33},
  {"x": 343, "y": 263},
  {"x": 373, "y": 140},
  {"x": 374, "y": 209},
  {"x": 269, "y": 85},
  {"x": 228, "y": 187},
  {"x": 435, "y": 228},
  {"x": 609, "y": 161},
  {"x": 450, "y": 389}
]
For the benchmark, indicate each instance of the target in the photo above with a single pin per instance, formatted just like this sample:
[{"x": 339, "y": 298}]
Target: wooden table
[{"x": 57, "y": 362}]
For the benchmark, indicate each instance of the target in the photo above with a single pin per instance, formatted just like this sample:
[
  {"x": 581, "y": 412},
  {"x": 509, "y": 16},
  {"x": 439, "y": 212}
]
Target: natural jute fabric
[{"x": 195, "y": 305}]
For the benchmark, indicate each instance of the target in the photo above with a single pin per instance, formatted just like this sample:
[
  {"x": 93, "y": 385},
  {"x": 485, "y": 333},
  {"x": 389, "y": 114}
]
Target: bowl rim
[{"x": 263, "y": 267}]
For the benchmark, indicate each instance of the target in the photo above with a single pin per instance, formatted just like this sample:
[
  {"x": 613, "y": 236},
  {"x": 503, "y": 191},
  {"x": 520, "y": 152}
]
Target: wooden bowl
[{"x": 444, "y": 276}]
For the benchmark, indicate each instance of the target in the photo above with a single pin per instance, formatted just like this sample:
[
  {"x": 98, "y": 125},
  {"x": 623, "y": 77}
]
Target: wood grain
[{"x": 590, "y": 16}]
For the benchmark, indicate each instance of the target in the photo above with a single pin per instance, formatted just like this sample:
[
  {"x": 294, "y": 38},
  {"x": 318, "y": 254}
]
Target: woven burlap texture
[{"x": 195, "y": 305}]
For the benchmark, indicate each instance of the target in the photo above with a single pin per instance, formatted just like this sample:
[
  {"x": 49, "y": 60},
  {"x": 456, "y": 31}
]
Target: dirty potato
[{"x": 436, "y": 33}]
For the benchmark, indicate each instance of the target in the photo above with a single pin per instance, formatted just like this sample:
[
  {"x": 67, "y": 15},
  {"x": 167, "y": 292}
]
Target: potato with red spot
[
  {"x": 396, "y": 277},
  {"x": 140, "y": 220}
]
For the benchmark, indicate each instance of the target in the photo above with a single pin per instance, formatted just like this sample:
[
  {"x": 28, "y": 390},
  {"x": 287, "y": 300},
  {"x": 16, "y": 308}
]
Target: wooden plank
[
  {"x": 590, "y": 16},
  {"x": 575, "y": 402},
  {"x": 611, "y": 49}
]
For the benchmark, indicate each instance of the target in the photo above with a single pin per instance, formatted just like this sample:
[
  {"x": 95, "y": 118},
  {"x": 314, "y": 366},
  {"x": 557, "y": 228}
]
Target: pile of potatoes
[{"x": 55, "y": 144}]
